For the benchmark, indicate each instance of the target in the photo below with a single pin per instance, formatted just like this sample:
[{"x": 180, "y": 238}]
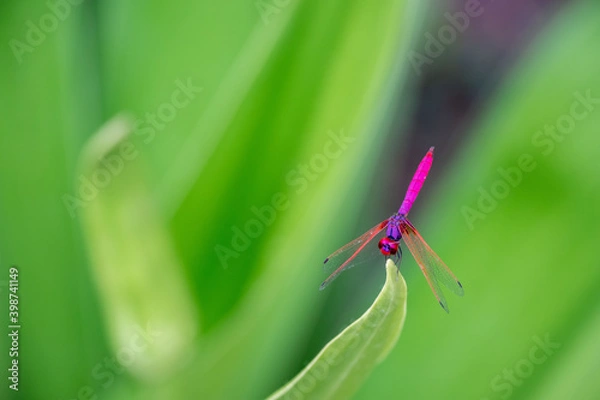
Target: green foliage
[
  {"x": 345, "y": 362},
  {"x": 318, "y": 77},
  {"x": 528, "y": 264},
  {"x": 271, "y": 96},
  {"x": 133, "y": 257}
]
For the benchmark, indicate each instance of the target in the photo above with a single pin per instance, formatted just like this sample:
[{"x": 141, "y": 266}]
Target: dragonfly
[{"x": 398, "y": 227}]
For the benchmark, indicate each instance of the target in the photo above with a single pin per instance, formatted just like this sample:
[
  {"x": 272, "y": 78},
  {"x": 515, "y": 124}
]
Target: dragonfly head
[{"x": 388, "y": 246}]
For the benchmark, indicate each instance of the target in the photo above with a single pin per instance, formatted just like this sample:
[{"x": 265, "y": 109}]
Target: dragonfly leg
[{"x": 399, "y": 254}]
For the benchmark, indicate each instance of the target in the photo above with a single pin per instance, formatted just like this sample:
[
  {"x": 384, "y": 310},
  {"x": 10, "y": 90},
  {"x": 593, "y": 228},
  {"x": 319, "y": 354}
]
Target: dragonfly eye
[{"x": 388, "y": 246}]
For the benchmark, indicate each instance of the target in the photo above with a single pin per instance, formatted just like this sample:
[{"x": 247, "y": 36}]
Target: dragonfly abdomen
[{"x": 417, "y": 183}]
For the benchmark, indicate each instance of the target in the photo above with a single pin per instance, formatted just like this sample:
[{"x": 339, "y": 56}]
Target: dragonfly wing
[
  {"x": 346, "y": 256},
  {"x": 431, "y": 265}
]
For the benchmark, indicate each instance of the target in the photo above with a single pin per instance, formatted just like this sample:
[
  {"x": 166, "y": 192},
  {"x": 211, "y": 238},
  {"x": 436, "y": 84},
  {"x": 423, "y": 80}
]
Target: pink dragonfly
[{"x": 399, "y": 227}]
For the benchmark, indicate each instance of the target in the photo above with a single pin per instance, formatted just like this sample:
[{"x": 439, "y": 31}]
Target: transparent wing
[
  {"x": 431, "y": 265},
  {"x": 351, "y": 254}
]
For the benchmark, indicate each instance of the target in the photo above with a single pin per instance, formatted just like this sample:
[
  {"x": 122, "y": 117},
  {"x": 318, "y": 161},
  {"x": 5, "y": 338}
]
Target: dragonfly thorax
[{"x": 393, "y": 228}]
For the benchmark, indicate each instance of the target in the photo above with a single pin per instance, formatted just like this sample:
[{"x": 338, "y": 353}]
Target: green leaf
[
  {"x": 43, "y": 122},
  {"x": 529, "y": 262},
  {"x": 346, "y": 361},
  {"x": 140, "y": 279},
  {"x": 256, "y": 302}
]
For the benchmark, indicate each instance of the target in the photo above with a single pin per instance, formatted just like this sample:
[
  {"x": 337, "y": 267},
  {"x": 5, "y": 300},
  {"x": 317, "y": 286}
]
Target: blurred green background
[{"x": 173, "y": 174}]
